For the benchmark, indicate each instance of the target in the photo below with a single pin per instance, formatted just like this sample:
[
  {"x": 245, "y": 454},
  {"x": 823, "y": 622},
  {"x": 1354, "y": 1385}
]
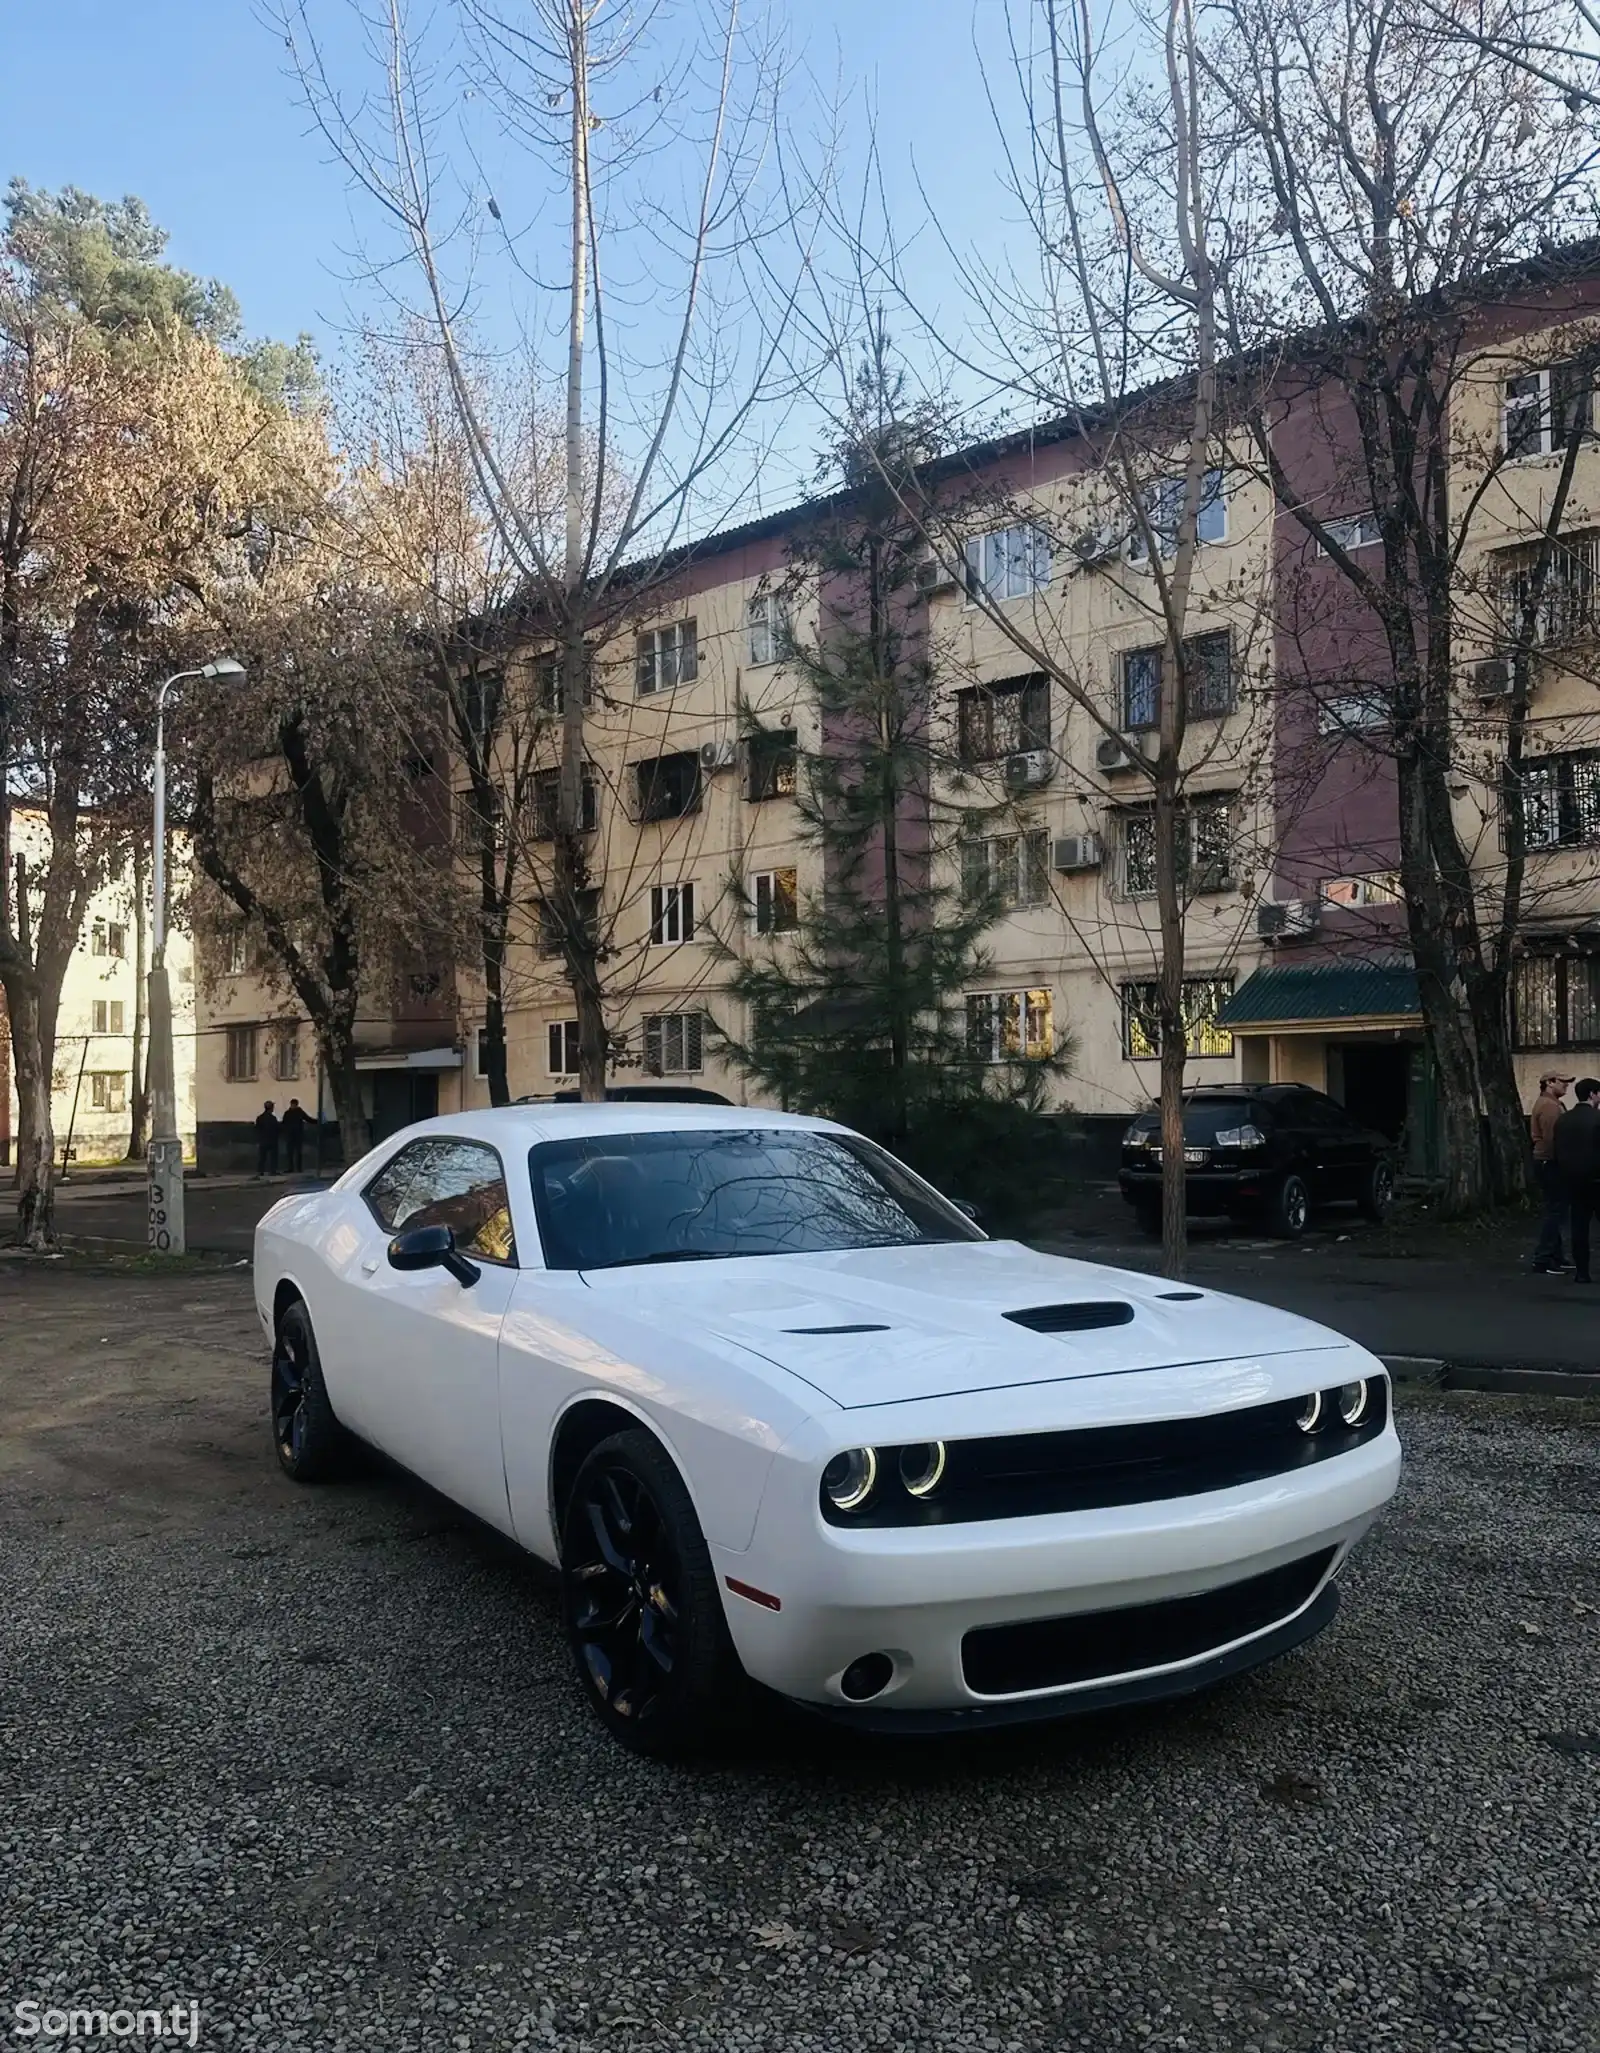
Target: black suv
[{"x": 1268, "y": 1151}]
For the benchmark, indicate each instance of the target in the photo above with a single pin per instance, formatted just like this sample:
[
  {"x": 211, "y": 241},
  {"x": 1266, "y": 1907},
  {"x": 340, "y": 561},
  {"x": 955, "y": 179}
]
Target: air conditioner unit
[
  {"x": 1494, "y": 679},
  {"x": 1283, "y": 919},
  {"x": 1079, "y": 852},
  {"x": 1028, "y": 770},
  {"x": 718, "y": 755},
  {"x": 1096, "y": 545},
  {"x": 1112, "y": 756},
  {"x": 931, "y": 576}
]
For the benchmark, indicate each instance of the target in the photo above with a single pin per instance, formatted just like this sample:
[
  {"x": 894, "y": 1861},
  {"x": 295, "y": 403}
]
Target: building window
[
  {"x": 1561, "y": 801},
  {"x": 108, "y": 1090},
  {"x": 673, "y": 1043},
  {"x": 1569, "y": 605},
  {"x": 775, "y": 901},
  {"x": 110, "y": 938},
  {"x": 1163, "y": 509},
  {"x": 1205, "y": 848},
  {"x": 552, "y": 932},
  {"x": 562, "y": 1037},
  {"x": 1379, "y": 887},
  {"x": 669, "y": 786},
  {"x": 1008, "y": 563},
  {"x": 1349, "y": 531},
  {"x": 1010, "y": 1026},
  {"x": 480, "y": 824},
  {"x": 106, "y": 1016},
  {"x": 547, "y": 804},
  {"x": 1353, "y": 712},
  {"x": 239, "y": 1056},
  {"x": 286, "y": 1054},
  {"x": 1208, "y": 668},
  {"x": 1555, "y": 1001},
  {"x": 996, "y": 720},
  {"x": 667, "y": 656},
  {"x": 767, "y": 624},
  {"x": 235, "y": 952},
  {"x": 552, "y": 698},
  {"x": 671, "y": 914},
  {"x": 1541, "y": 409},
  {"x": 1203, "y": 999},
  {"x": 772, "y": 758},
  {"x": 1014, "y": 868}
]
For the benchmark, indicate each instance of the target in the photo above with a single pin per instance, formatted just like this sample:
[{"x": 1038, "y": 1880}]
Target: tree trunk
[
  {"x": 337, "y": 1046},
  {"x": 1172, "y": 1023},
  {"x": 1510, "y": 1158},
  {"x": 138, "y": 1093},
  {"x": 36, "y": 1140}
]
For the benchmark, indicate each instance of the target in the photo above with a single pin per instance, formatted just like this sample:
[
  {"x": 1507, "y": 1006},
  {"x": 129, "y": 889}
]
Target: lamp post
[{"x": 164, "y": 1154}]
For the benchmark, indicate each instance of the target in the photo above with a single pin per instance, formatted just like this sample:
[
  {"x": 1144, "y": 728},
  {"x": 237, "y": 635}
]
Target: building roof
[{"x": 1292, "y": 994}]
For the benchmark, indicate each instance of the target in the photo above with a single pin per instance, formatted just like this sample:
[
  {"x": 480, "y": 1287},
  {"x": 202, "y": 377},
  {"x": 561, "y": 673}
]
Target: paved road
[
  {"x": 1480, "y": 1307},
  {"x": 313, "y": 1759}
]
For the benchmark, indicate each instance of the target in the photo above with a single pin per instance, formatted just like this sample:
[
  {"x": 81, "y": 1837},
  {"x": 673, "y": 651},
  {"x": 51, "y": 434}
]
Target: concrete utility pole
[{"x": 164, "y": 1155}]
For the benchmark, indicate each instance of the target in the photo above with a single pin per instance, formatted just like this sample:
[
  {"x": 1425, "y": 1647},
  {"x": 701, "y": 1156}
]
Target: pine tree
[{"x": 859, "y": 1011}]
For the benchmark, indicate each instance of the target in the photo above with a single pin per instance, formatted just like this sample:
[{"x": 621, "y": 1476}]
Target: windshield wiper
[{"x": 676, "y": 1254}]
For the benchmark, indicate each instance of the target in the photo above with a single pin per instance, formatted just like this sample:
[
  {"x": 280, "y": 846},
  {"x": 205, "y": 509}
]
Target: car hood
[{"x": 872, "y": 1326}]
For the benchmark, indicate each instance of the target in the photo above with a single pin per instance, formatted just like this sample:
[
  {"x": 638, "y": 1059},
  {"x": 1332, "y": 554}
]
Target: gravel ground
[{"x": 312, "y": 1760}]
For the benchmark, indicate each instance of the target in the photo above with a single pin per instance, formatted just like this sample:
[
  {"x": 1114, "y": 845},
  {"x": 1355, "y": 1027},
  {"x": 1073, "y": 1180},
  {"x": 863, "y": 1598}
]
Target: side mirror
[{"x": 431, "y": 1247}]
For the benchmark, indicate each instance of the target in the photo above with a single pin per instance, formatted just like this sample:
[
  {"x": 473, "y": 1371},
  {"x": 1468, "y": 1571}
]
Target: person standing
[
  {"x": 266, "y": 1141},
  {"x": 1576, "y": 1145},
  {"x": 294, "y": 1123},
  {"x": 1547, "y": 1109}
]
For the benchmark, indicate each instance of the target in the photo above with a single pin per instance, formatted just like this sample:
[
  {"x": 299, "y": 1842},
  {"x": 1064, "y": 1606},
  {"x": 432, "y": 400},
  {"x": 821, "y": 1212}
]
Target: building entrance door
[
  {"x": 399, "y": 1098},
  {"x": 1377, "y": 1083}
]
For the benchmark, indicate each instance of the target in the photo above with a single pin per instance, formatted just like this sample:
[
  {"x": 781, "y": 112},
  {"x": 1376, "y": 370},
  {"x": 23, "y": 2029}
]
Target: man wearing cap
[
  {"x": 1577, "y": 1153},
  {"x": 1547, "y": 1107}
]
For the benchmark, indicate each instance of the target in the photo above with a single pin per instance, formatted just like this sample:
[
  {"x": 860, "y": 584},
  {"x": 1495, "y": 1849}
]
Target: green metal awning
[{"x": 1327, "y": 993}]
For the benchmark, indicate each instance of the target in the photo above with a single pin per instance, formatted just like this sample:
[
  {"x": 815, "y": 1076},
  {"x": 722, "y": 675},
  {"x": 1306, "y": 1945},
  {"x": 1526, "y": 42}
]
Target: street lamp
[{"x": 164, "y": 1153}]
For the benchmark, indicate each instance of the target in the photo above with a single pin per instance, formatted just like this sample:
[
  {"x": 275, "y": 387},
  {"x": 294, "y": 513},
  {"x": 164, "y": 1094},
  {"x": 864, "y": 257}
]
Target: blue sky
[{"x": 185, "y": 102}]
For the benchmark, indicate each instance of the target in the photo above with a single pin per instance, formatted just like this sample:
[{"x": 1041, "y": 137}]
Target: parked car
[
  {"x": 1272, "y": 1152},
  {"x": 779, "y": 1412}
]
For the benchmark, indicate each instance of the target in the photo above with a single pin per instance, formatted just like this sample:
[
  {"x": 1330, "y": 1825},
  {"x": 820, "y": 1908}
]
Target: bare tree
[
  {"x": 1395, "y": 198},
  {"x": 653, "y": 157}
]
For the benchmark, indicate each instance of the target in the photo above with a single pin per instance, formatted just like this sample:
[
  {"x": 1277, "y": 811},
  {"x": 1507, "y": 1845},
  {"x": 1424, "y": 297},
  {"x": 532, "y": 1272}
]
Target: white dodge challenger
[{"x": 778, "y": 1410}]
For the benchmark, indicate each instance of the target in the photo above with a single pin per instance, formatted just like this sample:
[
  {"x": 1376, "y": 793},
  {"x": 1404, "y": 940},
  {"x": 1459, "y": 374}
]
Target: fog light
[
  {"x": 850, "y": 1478},
  {"x": 868, "y": 1677},
  {"x": 1309, "y": 1416},
  {"x": 922, "y": 1467},
  {"x": 1353, "y": 1401}
]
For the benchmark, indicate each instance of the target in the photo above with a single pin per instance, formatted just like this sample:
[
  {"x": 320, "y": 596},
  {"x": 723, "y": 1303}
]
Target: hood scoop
[
  {"x": 1075, "y": 1318},
  {"x": 836, "y": 1329}
]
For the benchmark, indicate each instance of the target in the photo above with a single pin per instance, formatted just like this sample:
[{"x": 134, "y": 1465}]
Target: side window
[{"x": 446, "y": 1182}]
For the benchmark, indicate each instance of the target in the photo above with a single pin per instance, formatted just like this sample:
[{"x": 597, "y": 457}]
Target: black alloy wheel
[
  {"x": 310, "y": 1442},
  {"x": 643, "y": 1614},
  {"x": 1377, "y": 1193},
  {"x": 1289, "y": 1209}
]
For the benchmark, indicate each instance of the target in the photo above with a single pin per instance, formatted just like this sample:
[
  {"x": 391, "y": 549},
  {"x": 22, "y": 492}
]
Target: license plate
[{"x": 1193, "y": 1158}]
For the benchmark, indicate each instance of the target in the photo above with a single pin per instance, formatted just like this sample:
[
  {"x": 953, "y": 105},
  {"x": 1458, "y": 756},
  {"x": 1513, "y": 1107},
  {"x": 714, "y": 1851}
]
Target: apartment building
[
  {"x": 1297, "y": 958},
  {"x": 92, "y": 1078}
]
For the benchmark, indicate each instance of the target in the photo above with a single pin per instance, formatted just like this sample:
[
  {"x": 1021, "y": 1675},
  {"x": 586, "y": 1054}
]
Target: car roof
[{"x": 514, "y": 1126}]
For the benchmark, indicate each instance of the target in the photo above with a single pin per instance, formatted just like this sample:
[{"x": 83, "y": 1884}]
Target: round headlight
[
  {"x": 1309, "y": 1416},
  {"x": 922, "y": 1467},
  {"x": 1353, "y": 1400},
  {"x": 850, "y": 1478}
]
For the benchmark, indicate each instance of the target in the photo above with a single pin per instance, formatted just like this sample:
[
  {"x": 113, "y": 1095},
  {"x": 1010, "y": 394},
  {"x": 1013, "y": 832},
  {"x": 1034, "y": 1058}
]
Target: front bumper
[{"x": 914, "y": 1593}]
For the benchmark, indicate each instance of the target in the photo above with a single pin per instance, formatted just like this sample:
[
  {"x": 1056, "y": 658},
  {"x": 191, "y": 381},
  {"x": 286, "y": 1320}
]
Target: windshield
[{"x": 608, "y": 1200}]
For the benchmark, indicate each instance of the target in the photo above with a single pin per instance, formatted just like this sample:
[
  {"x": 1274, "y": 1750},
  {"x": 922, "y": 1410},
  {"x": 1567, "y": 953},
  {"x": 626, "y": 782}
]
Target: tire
[
  {"x": 1377, "y": 1193},
  {"x": 1148, "y": 1219},
  {"x": 311, "y": 1444},
  {"x": 640, "y": 1602},
  {"x": 1289, "y": 1207}
]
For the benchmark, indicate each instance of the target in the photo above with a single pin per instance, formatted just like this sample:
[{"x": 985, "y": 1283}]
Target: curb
[{"x": 1424, "y": 1372}]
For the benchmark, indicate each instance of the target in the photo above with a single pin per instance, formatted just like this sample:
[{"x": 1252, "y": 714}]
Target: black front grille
[
  {"x": 1051, "y": 1653},
  {"x": 1091, "y": 1468}
]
